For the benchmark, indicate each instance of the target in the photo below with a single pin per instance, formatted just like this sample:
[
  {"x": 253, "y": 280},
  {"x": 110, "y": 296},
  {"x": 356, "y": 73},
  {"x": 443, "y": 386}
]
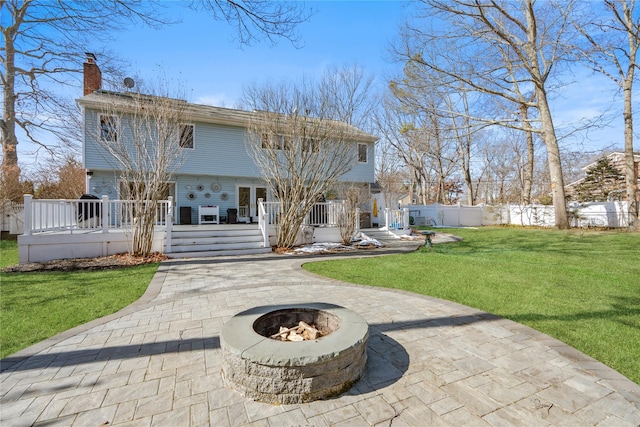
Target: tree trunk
[
  {"x": 10, "y": 168},
  {"x": 631, "y": 178},
  {"x": 548, "y": 131},
  {"x": 555, "y": 165},
  {"x": 527, "y": 173},
  {"x": 469, "y": 183}
]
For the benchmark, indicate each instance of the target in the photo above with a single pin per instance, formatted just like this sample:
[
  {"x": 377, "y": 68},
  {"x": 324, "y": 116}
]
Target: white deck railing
[
  {"x": 86, "y": 215},
  {"x": 396, "y": 219},
  {"x": 327, "y": 214}
]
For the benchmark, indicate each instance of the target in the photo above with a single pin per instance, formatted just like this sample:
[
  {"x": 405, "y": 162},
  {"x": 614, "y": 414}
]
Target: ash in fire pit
[{"x": 270, "y": 370}]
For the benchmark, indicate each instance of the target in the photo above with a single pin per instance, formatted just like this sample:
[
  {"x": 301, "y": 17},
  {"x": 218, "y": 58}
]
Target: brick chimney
[{"x": 92, "y": 75}]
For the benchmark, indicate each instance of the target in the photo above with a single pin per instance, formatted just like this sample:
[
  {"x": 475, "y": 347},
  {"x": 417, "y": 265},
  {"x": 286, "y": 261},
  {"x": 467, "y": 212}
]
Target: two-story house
[{"x": 216, "y": 168}]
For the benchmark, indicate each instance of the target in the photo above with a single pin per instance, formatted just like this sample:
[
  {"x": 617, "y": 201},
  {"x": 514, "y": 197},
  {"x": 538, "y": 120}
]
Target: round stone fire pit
[{"x": 273, "y": 371}]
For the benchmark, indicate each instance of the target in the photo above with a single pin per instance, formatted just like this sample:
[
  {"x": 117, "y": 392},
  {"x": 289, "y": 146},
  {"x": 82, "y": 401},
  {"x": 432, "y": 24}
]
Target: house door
[{"x": 247, "y": 202}]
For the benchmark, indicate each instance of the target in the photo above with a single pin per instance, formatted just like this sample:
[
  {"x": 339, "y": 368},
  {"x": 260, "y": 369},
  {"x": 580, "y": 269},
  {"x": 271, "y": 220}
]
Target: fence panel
[
  {"x": 594, "y": 214},
  {"x": 12, "y": 217}
]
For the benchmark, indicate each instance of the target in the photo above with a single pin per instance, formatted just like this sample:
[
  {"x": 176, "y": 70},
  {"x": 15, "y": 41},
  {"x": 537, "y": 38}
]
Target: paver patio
[{"x": 430, "y": 362}]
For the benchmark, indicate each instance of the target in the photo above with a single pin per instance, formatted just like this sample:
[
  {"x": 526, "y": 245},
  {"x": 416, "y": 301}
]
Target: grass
[
  {"x": 583, "y": 289},
  {"x": 35, "y": 306}
]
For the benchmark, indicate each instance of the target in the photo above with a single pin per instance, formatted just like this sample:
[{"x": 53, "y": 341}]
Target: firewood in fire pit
[{"x": 302, "y": 332}]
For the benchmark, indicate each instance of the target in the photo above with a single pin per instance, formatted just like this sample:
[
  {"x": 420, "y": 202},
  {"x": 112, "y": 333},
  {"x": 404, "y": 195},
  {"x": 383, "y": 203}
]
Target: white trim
[{"x": 253, "y": 204}]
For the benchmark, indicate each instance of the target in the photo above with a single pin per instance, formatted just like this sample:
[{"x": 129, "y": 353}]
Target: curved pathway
[{"x": 430, "y": 362}]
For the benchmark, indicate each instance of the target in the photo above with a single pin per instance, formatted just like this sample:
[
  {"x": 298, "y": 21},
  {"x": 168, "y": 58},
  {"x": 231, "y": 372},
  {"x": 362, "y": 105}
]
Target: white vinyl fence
[
  {"x": 12, "y": 217},
  {"x": 593, "y": 214}
]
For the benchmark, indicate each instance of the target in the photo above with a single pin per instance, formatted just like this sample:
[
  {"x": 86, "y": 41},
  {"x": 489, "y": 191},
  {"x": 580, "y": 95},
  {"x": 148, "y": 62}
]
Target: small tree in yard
[
  {"x": 355, "y": 196},
  {"x": 143, "y": 136}
]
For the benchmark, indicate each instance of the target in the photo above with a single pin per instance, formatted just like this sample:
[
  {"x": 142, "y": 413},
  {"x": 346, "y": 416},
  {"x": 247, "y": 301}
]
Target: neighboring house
[
  {"x": 617, "y": 160},
  {"x": 216, "y": 169}
]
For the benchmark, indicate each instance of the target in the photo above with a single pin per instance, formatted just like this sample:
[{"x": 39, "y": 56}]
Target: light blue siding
[
  {"x": 219, "y": 155},
  {"x": 362, "y": 172},
  {"x": 204, "y": 195},
  {"x": 219, "y": 150}
]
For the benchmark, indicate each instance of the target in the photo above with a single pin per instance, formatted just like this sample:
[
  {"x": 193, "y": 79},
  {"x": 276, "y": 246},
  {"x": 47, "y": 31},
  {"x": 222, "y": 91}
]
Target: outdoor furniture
[
  {"x": 232, "y": 216},
  {"x": 208, "y": 215},
  {"x": 427, "y": 237},
  {"x": 185, "y": 215}
]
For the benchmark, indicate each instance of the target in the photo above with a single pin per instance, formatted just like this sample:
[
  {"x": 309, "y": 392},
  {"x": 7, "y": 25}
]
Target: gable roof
[
  {"x": 615, "y": 157},
  {"x": 199, "y": 112}
]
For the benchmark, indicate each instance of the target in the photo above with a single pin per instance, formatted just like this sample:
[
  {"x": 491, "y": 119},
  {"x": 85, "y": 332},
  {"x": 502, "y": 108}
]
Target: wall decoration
[
  {"x": 200, "y": 187},
  {"x": 216, "y": 187},
  {"x": 224, "y": 196},
  {"x": 207, "y": 195},
  {"x": 191, "y": 196}
]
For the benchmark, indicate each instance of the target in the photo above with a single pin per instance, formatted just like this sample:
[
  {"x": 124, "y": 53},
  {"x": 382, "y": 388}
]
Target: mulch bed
[{"x": 90, "y": 264}]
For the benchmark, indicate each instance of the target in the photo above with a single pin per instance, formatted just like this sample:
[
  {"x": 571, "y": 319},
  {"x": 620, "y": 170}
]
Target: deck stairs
[{"x": 195, "y": 242}]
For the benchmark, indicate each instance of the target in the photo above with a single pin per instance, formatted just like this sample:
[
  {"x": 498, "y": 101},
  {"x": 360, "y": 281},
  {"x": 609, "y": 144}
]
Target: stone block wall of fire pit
[{"x": 278, "y": 372}]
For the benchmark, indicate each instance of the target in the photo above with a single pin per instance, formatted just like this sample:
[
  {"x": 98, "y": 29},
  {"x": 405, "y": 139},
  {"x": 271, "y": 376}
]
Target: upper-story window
[
  {"x": 277, "y": 142},
  {"x": 310, "y": 144},
  {"x": 109, "y": 128},
  {"x": 363, "y": 152},
  {"x": 269, "y": 141},
  {"x": 185, "y": 133}
]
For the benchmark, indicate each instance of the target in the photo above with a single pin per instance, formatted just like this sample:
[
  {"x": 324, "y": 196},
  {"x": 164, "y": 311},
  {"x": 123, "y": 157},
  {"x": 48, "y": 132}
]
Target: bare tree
[
  {"x": 355, "y": 196},
  {"x": 390, "y": 173},
  {"x": 499, "y": 45},
  {"x": 613, "y": 40},
  {"x": 142, "y": 136},
  {"x": 59, "y": 179},
  {"x": 43, "y": 41},
  {"x": 464, "y": 131},
  {"x": 350, "y": 90},
  {"x": 411, "y": 121},
  {"x": 301, "y": 151}
]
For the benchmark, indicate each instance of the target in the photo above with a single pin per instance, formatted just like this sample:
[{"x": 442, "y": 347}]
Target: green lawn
[
  {"x": 583, "y": 289},
  {"x": 35, "y": 306}
]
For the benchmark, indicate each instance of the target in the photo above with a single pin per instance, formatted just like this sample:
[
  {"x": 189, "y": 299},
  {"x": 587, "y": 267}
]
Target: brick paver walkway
[{"x": 430, "y": 362}]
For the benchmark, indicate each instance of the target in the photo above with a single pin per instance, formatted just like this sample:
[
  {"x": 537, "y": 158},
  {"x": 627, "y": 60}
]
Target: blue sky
[
  {"x": 202, "y": 54},
  {"x": 202, "y": 57}
]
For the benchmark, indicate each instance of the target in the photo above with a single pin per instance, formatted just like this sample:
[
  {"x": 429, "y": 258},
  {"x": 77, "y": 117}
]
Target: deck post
[
  {"x": 168, "y": 226},
  {"x": 263, "y": 223},
  {"x": 27, "y": 214},
  {"x": 104, "y": 213},
  {"x": 387, "y": 219}
]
